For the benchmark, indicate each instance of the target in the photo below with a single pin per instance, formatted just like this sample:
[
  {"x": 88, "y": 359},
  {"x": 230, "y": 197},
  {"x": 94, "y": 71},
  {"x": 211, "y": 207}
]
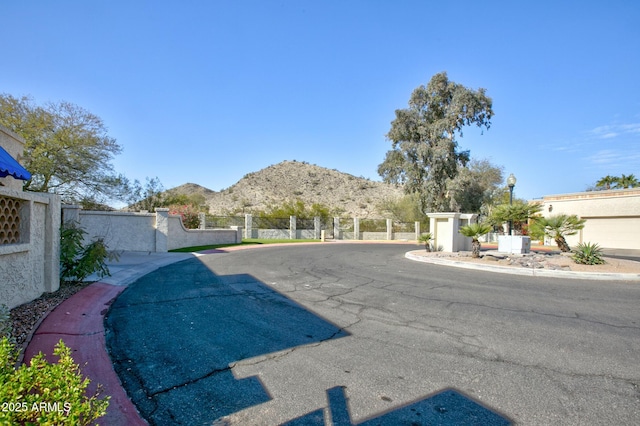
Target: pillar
[
  {"x": 247, "y": 226},
  {"x": 356, "y": 228},
  {"x": 162, "y": 229},
  {"x": 292, "y": 227},
  {"x": 316, "y": 227}
]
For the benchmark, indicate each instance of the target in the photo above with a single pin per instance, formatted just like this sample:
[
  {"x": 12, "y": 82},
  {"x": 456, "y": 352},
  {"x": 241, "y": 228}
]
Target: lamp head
[{"x": 511, "y": 181}]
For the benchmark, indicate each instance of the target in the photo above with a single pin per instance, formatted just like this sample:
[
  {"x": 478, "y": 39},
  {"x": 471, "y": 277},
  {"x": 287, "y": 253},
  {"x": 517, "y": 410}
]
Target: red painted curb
[{"x": 78, "y": 322}]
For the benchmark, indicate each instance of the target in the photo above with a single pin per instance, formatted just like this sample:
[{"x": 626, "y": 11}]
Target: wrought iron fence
[
  {"x": 223, "y": 221},
  {"x": 270, "y": 222},
  {"x": 305, "y": 223},
  {"x": 326, "y": 225},
  {"x": 404, "y": 227},
  {"x": 373, "y": 225},
  {"x": 346, "y": 224}
]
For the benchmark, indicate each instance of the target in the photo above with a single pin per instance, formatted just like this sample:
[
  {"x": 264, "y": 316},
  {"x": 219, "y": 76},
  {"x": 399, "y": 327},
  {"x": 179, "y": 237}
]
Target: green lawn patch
[{"x": 250, "y": 241}]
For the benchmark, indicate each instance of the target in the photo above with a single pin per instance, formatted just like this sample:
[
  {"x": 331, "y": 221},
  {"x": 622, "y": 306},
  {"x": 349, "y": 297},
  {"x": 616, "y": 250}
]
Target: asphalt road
[{"x": 357, "y": 334}]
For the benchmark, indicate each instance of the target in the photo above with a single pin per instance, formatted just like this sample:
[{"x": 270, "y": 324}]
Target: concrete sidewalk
[
  {"x": 132, "y": 265},
  {"x": 79, "y": 322}
]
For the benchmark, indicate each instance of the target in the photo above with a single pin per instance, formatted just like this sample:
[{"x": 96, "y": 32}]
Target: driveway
[{"x": 357, "y": 334}]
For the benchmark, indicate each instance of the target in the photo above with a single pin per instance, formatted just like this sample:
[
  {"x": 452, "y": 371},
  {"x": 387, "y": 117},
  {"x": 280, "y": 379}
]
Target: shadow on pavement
[
  {"x": 175, "y": 334},
  {"x": 446, "y": 408}
]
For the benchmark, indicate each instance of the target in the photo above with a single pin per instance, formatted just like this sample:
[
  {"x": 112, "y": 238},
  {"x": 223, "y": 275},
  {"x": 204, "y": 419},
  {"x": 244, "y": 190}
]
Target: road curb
[{"x": 531, "y": 272}]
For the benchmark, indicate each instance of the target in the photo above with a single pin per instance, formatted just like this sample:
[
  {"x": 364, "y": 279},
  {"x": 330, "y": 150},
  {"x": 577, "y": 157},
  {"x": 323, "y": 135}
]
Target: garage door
[{"x": 613, "y": 232}]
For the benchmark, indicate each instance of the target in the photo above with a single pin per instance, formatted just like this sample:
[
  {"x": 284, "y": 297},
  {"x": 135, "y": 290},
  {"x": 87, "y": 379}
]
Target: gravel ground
[
  {"x": 551, "y": 260},
  {"x": 27, "y": 317}
]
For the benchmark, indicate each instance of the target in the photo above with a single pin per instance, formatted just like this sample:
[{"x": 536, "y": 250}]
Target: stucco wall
[
  {"x": 121, "y": 230},
  {"x": 31, "y": 266},
  {"x": 153, "y": 232},
  {"x": 613, "y": 217},
  {"x": 179, "y": 236},
  {"x": 445, "y": 227}
]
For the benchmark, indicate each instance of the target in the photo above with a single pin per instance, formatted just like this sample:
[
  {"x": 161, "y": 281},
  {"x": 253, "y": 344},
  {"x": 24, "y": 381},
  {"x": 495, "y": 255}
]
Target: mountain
[{"x": 291, "y": 181}]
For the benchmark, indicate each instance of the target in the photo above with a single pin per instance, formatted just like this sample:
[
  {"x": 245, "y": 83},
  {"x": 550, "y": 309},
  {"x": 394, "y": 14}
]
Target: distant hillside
[{"x": 290, "y": 181}]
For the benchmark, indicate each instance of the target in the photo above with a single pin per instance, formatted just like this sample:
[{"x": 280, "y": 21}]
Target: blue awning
[{"x": 10, "y": 167}]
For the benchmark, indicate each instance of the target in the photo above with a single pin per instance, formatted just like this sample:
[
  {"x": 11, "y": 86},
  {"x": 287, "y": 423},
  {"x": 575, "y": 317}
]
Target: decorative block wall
[{"x": 9, "y": 220}]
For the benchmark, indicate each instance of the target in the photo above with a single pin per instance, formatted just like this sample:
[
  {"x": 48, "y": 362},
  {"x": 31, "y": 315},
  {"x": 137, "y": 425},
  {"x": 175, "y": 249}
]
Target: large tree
[
  {"x": 424, "y": 154},
  {"x": 476, "y": 188},
  {"x": 67, "y": 149}
]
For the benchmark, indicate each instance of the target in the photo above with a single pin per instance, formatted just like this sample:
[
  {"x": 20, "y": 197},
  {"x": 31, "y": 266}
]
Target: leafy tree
[
  {"x": 405, "y": 209},
  {"x": 67, "y": 149},
  {"x": 196, "y": 201},
  {"x": 146, "y": 197},
  {"x": 476, "y": 188},
  {"x": 475, "y": 231},
  {"x": 558, "y": 227},
  {"x": 424, "y": 152}
]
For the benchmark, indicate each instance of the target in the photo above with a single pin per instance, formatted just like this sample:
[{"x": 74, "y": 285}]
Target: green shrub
[
  {"x": 5, "y": 322},
  {"x": 588, "y": 254},
  {"x": 43, "y": 393},
  {"x": 189, "y": 214},
  {"x": 77, "y": 262}
]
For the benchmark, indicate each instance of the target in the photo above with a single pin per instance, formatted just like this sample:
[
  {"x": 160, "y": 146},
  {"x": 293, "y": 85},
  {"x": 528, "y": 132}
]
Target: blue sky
[{"x": 207, "y": 91}]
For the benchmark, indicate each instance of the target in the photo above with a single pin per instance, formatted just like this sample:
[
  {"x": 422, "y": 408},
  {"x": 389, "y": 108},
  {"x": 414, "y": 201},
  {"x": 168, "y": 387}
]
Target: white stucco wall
[
  {"x": 121, "y": 230},
  {"x": 153, "y": 232},
  {"x": 445, "y": 228},
  {"x": 31, "y": 266},
  {"x": 179, "y": 236}
]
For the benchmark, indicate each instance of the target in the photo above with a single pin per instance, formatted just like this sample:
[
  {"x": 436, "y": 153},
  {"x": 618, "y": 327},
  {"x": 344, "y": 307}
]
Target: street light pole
[{"x": 511, "y": 182}]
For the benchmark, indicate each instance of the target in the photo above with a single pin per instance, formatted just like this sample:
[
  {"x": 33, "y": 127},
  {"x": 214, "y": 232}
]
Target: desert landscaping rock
[{"x": 614, "y": 268}]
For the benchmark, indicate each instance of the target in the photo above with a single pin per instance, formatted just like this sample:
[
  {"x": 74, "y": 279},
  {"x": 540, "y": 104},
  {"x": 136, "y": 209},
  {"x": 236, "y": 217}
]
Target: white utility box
[{"x": 514, "y": 244}]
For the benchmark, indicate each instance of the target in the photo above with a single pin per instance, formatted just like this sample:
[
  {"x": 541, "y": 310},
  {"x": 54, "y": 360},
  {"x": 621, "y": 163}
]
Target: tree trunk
[
  {"x": 475, "y": 248},
  {"x": 562, "y": 244}
]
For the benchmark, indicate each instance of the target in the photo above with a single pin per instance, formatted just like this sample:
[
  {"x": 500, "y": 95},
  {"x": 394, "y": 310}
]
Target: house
[{"x": 613, "y": 216}]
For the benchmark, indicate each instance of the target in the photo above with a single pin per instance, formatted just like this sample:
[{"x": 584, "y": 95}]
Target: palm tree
[
  {"x": 558, "y": 227},
  {"x": 625, "y": 181},
  {"x": 606, "y": 182},
  {"x": 475, "y": 231},
  {"x": 426, "y": 239},
  {"x": 517, "y": 213}
]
